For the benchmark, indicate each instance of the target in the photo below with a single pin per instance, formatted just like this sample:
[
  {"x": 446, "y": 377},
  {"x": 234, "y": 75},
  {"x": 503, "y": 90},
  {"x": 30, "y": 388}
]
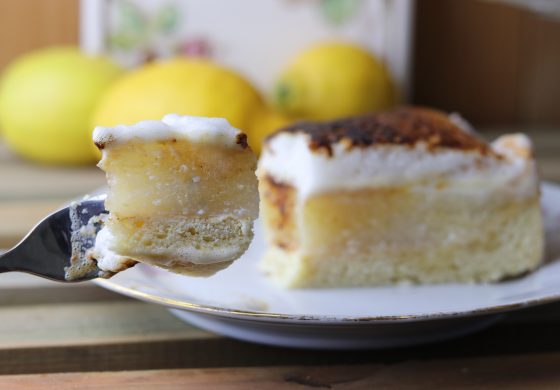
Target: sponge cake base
[{"x": 398, "y": 235}]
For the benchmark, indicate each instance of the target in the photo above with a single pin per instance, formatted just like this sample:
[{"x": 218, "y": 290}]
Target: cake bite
[
  {"x": 410, "y": 195},
  {"x": 182, "y": 194}
]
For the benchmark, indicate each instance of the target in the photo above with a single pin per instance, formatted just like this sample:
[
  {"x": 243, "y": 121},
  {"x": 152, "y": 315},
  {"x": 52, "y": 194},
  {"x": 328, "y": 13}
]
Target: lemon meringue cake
[
  {"x": 407, "y": 196},
  {"x": 182, "y": 194}
]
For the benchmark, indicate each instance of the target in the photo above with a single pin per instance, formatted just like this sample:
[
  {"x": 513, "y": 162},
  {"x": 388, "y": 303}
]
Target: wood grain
[
  {"x": 30, "y": 191},
  {"x": 539, "y": 371},
  {"x": 30, "y": 295},
  {"x": 466, "y": 59},
  {"x": 24, "y": 180},
  {"x": 30, "y": 24},
  {"x": 130, "y": 335},
  {"x": 18, "y": 217},
  {"x": 539, "y": 84},
  {"x": 492, "y": 62},
  {"x": 223, "y": 378}
]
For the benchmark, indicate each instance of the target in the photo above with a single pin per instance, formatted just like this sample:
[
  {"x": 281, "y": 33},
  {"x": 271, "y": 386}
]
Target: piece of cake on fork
[
  {"x": 410, "y": 195},
  {"x": 182, "y": 194}
]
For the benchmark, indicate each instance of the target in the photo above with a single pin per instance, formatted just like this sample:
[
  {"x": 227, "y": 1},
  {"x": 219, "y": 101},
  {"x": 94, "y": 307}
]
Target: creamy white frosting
[
  {"x": 191, "y": 128},
  {"x": 287, "y": 158},
  {"x": 461, "y": 122},
  {"x": 107, "y": 260}
]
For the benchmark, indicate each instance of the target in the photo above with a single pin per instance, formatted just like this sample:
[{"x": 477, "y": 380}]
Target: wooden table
[{"x": 56, "y": 336}]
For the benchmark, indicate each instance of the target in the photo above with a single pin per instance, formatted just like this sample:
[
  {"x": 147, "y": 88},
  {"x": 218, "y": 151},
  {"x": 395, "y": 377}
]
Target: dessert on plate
[
  {"x": 410, "y": 195},
  {"x": 182, "y": 194}
]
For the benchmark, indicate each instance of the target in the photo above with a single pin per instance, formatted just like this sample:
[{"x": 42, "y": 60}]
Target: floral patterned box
[{"x": 255, "y": 37}]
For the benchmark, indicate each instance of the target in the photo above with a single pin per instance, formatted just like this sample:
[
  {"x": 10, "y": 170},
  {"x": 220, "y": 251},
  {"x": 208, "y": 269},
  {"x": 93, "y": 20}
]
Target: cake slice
[
  {"x": 404, "y": 196},
  {"x": 182, "y": 194}
]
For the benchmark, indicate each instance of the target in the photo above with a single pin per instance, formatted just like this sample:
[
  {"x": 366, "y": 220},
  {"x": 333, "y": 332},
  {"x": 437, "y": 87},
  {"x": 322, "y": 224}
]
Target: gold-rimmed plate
[{"x": 240, "y": 302}]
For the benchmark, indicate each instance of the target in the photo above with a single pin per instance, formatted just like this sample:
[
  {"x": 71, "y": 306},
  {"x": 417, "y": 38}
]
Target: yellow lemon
[
  {"x": 267, "y": 121},
  {"x": 333, "y": 80},
  {"x": 47, "y": 99},
  {"x": 183, "y": 86}
]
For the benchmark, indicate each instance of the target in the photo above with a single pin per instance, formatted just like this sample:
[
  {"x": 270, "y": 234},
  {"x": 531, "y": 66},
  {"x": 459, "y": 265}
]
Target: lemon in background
[
  {"x": 47, "y": 99},
  {"x": 186, "y": 87},
  {"x": 266, "y": 122},
  {"x": 332, "y": 80}
]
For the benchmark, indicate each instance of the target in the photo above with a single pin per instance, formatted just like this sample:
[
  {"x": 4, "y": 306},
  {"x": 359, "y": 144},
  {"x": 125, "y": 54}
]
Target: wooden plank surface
[
  {"x": 31, "y": 24},
  {"x": 26, "y": 181},
  {"x": 123, "y": 334},
  {"x": 539, "y": 371},
  {"x": 28, "y": 192},
  {"x": 504, "y": 70}
]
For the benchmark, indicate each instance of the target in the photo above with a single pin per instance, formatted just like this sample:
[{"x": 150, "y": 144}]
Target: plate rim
[{"x": 302, "y": 318}]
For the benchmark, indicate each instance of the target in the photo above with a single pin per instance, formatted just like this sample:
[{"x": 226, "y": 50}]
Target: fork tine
[{"x": 51, "y": 246}]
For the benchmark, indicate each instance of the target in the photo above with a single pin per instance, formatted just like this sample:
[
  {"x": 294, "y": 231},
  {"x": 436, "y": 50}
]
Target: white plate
[{"x": 240, "y": 302}]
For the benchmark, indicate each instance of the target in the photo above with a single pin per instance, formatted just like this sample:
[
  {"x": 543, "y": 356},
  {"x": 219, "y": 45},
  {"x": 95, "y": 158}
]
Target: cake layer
[
  {"x": 391, "y": 235},
  {"x": 172, "y": 240}
]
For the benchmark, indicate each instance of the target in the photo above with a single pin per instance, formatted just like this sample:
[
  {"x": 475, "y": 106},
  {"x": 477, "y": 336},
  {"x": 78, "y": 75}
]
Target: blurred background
[{"x": 68, "y": 65}]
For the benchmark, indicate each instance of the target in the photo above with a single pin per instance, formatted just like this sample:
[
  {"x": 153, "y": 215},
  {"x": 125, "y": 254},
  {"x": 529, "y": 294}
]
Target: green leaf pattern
[
  {"x": 136, "y": 29},
  {"x": 338, "y": 12}
]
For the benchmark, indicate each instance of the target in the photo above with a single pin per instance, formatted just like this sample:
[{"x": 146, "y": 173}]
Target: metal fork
[{"x": 57, "y": 243}]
